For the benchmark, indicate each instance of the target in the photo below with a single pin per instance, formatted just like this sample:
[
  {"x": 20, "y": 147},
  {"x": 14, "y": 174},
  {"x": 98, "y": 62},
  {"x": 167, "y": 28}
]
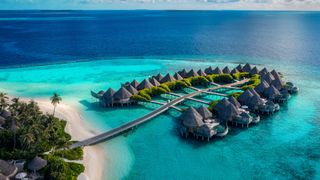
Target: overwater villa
[{"x": 262, "y": 93}]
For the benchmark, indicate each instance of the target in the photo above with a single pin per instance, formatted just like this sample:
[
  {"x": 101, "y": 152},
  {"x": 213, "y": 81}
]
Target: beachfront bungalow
[
  {"x": 225, "y": 110},
  {"x": 107, "y": 99},
  {"x": 122, "y": 96},
  {"x": 168, "y": 78},
  {"x": 291, "y": 88},
  {"x": 255, "y": 103},
  {"x": 159, "y": 77},
  {"x": 183, "y": 73},
  {"x": 254, "y": 92},
  {"x": 267, "y": 77},
  {"x": 209, "y": 70},
  {"x": 135, "y": 83},
  {"x": 192, "y": 73},
  {"x": 254, "y": 71},
  {"x": 201, "y": 73},
  {"x": 7, "y": 170},
  {"x": 234, "y": 71},
  {"x": 247, "y": 68},
  {"x": 226, "y": 70},
  {"x": 275, "y": 73},
  {"x": 239, "y": 68},
  {"x": 177, "y": 76},
  {"x": 145, "y": 84},
  {"x": 261, "y": 87},
  {"x": 132, "y": 90},
  {"x": 154, "y": 81},
  {"x": 37, "y": 164},
  {"x": 217, "y": 70},
  {"x": 269, "y": 107},
  {"x": 278, "y": 83}
]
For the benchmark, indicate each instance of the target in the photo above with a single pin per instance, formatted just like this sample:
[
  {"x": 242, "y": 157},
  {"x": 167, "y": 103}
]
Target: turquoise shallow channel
[{"x": 284, "y": 145}]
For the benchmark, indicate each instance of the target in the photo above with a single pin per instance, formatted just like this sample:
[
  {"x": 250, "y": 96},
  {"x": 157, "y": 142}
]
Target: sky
[{"x": 162, "y": 4}]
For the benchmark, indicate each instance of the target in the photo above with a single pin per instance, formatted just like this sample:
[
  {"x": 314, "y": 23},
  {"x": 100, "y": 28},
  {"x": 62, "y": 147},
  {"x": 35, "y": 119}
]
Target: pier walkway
[{"x": 132, "y": 124}]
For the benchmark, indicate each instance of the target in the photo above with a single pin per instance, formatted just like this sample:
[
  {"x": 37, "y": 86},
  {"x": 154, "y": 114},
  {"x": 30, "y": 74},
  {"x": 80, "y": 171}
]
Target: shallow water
[{"x": 282, "y": 145}]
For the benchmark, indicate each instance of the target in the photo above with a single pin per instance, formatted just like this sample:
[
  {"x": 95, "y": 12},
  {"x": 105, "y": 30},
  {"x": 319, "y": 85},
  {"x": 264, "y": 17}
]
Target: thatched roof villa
[
  {"x": 154, "y": 81},
  {"x": 7, "y": 171},
  {"x": 209, "y": 70},
  {"x": 168, "y": 78},
  {"x": 247, "y": 68},
  {"x": 192, "y": 73},
  {"x": 226, "y": 70},
  {"x": 201, "y": 73},
  {"x": 144, "y": 84},
  {"x": 217, "y": 70},
  {"x": 177, "y": 76},
  {"x": 183, "y": 73}
]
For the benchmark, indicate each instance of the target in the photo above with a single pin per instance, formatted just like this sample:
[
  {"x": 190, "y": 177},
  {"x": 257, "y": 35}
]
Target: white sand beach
[{"x": 93, "y": 156}]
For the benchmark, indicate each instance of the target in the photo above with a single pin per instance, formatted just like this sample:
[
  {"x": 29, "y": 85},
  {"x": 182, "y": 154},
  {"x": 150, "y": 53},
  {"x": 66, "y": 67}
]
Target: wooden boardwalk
[{"x": 132, "y": 124}]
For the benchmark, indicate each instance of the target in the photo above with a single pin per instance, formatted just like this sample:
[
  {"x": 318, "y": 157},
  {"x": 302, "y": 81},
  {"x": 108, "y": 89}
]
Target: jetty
[{"x": 133, "y": 124}]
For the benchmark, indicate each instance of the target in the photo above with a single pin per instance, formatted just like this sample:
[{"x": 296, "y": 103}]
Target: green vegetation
[
  {"x": 254, "y": 81},
  {"x": 220, "y": 78},
  {"x": 55, "y": 100},
  {"x": 58, "y": 169},
  {"x": 241, "y": 75},
  {"x": 70, "y": 154},
  {"x": 27, "y": 133}
]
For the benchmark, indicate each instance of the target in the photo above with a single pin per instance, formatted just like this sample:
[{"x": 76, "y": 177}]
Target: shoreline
[{"x": 93, "y": 158}]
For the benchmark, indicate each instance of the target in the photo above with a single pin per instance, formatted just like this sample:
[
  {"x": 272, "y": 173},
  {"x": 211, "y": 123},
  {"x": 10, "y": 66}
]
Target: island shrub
[
  {"x": 145, "y": 93},
  {"x": 235, "y": 95},
  {"x": 165, "y": 87},
  {"x": 222, "y": 78},
  {"x": 241, "y": 75},
  {"x": 58, "y": 169},
  {"x": 254, "y": 81},
  {"x": 70, "y": 154},
  {"x": 199, "y": 80},
  {"x": 187, "y": 81}
]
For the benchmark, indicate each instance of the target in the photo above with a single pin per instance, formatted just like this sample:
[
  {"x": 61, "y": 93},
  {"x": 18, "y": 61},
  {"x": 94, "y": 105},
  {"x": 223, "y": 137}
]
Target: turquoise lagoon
[{"x": 284, "y": 145}]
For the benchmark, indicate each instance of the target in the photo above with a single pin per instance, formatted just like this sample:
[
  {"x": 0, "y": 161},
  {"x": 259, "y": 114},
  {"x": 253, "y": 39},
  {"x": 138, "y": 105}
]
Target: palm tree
[
  {"x": 27, "y": 140},
  {"x": 55, "y": 100},
  {"x": 3, "y": 101}
]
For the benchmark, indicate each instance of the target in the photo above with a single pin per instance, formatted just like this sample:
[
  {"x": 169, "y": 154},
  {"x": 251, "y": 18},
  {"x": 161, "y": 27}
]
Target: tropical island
[
  {"x": 245, "y": 91},
  {"x": 33, "y": 143}
]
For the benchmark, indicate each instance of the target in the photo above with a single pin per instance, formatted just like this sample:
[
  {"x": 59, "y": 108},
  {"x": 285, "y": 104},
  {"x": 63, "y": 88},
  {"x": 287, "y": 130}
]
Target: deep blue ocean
[
  {"x": 119, "y": 46},
  {"x": 50, "y": 36}
]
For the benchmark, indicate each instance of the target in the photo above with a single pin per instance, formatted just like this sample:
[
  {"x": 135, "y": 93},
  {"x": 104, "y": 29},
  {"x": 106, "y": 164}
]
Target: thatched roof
[
  {"x": 168, "y": 78},
  {"x": 228, "y": 112},
  {"x": 234, "y": 101},
  {"x": 201, "y": 73},
  {"x": 2, "y": 121},
  {"x": 134, "y": 83},
  {"x": 245, "y": 97},
  {"x": 204, "y": 112},
  {"x": 226, "y": 70},
  {"x": 274, "y": 73},
  {"x": 263, "y": 72},
  {"x": 37, "y": 163},
  {"x": 268, "y": 77},
  {"x": 6, "y": 114},
  {"x": 177, "y": 76},
  {"x": 108, "y": 95},
  {"x": 122, "y": 93},
  {"x": 217, "y": 70},
  {"x": 234, "y": 71},
  {"x": 254, "y": 71},
  {"x": 247, "y": 68},
  {"x": 278, "y": 83},
  {"x": 271, "y": 92},
  {"x": 6, "y": 169},
  {"x": 159, "y": 77},
  {"x": 261, "y": 87},
  {"x": 183, "y": 73},
  {"x": 209, "y": 70},
  {"x": 144, "y": 84},
  {"x": 254, "y": 92},
  {"x": 255, "y": 101},
  {"x": 239, "y": 67},
  {"x": 221, "y": 105},
  {"x": 191, "y": 118},
  {"x": 132, "y": 90},
  {"x": 192, "y": 73},
  {"x": 154, "y": 82}
]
